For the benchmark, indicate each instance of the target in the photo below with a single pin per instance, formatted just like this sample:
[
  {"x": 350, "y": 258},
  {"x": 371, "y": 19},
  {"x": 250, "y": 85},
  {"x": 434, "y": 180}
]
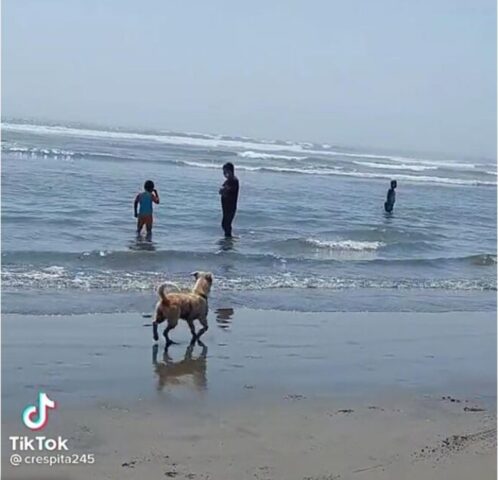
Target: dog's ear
[
  {"x": 195, "y": 274},
  {"x": 209, "y": 277}
]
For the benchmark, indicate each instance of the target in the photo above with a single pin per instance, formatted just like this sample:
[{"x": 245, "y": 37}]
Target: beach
[
  {"x": 344, "y": 342},
  {"x": 270, "y": 395},
  {"x": 249, "y": 240}
]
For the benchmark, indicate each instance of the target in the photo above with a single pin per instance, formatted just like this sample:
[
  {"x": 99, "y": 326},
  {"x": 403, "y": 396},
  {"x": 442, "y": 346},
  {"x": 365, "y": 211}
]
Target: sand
[{"x": 271, "y": 395}]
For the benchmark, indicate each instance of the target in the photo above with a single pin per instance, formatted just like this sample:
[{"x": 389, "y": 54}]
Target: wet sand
[{"x": 271, "y": 395}]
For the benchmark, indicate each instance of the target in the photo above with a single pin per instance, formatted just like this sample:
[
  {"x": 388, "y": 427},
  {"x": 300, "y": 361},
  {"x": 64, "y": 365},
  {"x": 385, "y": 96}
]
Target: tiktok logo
[{"x": 35, "y": 417}]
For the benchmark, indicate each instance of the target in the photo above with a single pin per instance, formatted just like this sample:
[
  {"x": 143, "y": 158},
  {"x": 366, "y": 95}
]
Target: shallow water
[{"x": 310, "y": 223}]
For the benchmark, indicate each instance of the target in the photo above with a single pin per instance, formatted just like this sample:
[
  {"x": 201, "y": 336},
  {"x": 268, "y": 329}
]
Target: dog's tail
[{"x": 161, "y": 291}]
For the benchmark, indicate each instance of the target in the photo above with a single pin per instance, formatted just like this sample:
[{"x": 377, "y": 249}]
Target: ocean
[{"x": 311, "y": 233}]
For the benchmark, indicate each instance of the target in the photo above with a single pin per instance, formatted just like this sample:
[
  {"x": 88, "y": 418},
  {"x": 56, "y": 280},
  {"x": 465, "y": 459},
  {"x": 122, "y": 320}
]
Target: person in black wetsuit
[
  {"x": 229, "y": 194},
  {"x": 391, "y": 197}
]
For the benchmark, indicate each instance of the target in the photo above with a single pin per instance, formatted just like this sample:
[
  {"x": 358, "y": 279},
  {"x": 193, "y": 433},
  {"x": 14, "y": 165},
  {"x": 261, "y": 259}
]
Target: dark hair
[
  {"x": 394, "y": 183},
  {"x": 229, "y": 166},
  {"x": 149, "y": 186}
]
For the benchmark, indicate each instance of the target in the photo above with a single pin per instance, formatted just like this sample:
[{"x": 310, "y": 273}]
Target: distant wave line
[{"x": 216, "y": 142}]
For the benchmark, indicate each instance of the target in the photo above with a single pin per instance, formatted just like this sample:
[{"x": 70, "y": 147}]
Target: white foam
[
  {"x": 167, "y": 139},
  {"x": 260, "y": 155},
  {"x": 345, "y": 173},
  {"x": 16, "y": 149},
  {"x": 209, "y": 165},
  {"x": 54, "y": 269},
  {"x": 390, "y": 166},
  {"x": 350, "y": 245},
  {"x": 53, "y": 152},
  {"x": 213, "y": 142},
  {"x": 417, "y": 178},
  {"x": 216, "y": 142},
  {"x": 444, "y": 164}
]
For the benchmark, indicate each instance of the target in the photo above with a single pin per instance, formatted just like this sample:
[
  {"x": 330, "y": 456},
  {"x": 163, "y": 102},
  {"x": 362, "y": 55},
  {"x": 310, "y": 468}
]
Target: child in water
[
  {"x": 143, "y": 208},
  {"x": 391, "y": 197}
]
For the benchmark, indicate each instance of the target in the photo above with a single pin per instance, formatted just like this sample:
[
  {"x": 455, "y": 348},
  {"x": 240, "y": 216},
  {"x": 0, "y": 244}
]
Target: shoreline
[{"x": 306, "y": 300}]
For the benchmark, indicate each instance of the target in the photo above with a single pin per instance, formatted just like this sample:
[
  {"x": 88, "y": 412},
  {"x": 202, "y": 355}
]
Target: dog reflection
[
  {"x": 224, "y": 317},
  {"x": 170, "y": 372}
]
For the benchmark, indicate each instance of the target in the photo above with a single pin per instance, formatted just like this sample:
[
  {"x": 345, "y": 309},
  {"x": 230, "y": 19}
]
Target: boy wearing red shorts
[{"x": 143, "y": 208}]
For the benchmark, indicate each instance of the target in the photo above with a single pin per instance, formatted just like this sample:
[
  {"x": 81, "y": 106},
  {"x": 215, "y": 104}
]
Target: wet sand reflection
[
  {"x": 224, "y": 317},
  {"x": 189, "y": 370}
]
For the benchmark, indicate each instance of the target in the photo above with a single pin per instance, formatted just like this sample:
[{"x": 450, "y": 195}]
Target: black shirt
[{"x": 230, "y": 192}]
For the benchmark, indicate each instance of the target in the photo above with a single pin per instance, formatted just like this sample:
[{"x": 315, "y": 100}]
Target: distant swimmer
[
  {"x": 391, "y": 197},
  {"x": 143, "y": 208},
  {"x": 229, "y": 192}
]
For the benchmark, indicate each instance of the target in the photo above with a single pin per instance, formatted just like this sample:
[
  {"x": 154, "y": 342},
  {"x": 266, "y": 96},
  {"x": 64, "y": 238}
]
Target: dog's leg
[
  {"x": 154, "y": 331},
  {"x": 204, "y": 328},
  {"x": 166, "y": 336},
  {"x": 158, "y": 318},
  {"x": 155, "y": 349},
  {"x": 166, "y": 358},
  {"x": 204, "y": 349},
  {"x": 171, "y": 324},
  {"x": 188, "y": 352},
  {"x": 192, "y": 330}
]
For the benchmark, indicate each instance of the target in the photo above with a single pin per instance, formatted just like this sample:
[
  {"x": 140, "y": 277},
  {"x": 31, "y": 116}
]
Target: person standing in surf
[
  {"x": 229, "y": 195},
  {"x": 143, "y": 208},
  {"x": 391, "y": 197}
]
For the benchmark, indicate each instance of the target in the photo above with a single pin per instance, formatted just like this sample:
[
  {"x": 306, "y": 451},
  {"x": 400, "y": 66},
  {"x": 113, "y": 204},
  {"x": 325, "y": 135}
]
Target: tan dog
[{"x": 187, "y": 306}]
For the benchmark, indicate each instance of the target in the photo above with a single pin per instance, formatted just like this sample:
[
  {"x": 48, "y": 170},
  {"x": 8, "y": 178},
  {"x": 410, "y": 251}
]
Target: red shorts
[{"x": 144, "y": 220}]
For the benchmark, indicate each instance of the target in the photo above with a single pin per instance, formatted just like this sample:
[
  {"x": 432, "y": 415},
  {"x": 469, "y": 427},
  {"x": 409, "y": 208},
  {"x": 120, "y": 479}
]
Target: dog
[{"x": 187, "y": 306}]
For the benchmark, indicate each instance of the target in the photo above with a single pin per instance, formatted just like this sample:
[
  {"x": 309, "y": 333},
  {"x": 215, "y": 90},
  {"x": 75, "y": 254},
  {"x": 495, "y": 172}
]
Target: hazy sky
[{"x": 410, "y": 74}]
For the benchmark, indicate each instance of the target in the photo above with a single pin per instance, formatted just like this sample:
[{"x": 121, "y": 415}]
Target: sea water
[{"x": 311, "y": 233}]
